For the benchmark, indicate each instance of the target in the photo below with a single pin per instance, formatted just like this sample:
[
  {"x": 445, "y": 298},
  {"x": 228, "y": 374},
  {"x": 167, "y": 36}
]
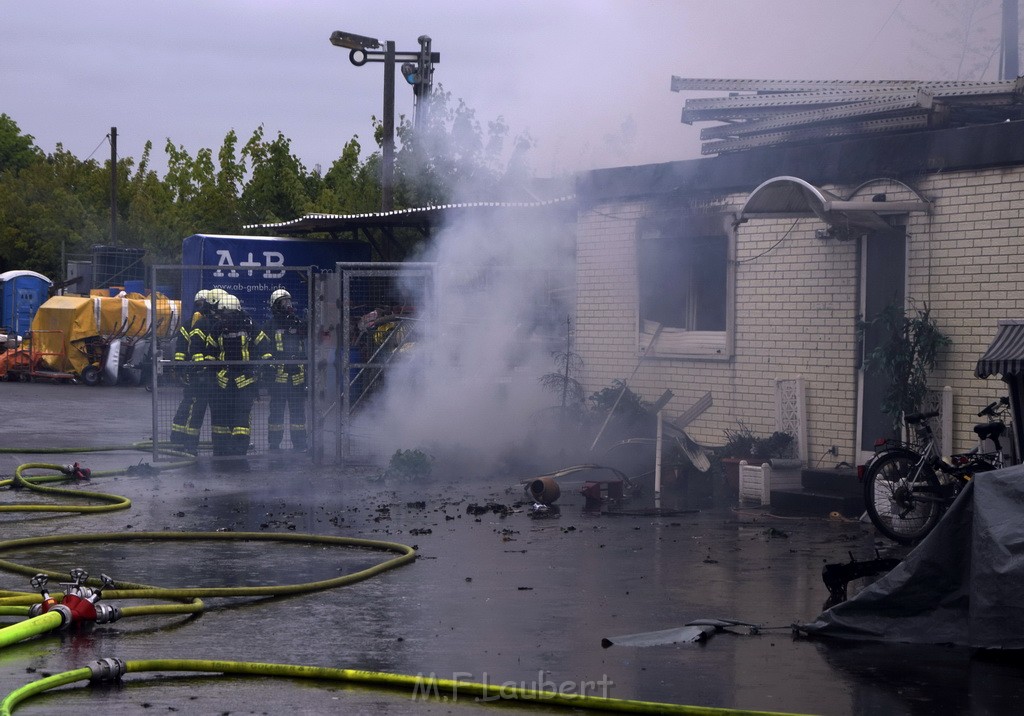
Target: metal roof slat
[
  {"x": 786, "y": 99},
  {"x": 819, "y": 116},
  {"x": 885, "y": 124},
  {"x": 692, "y": 84}
]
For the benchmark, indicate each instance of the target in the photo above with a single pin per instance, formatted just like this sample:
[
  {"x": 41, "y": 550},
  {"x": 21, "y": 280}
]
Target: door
[{"x": 883, "y": 281}]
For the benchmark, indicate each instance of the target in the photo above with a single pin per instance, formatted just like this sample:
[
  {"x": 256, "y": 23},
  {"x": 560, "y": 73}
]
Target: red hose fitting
[{"x": 82, "y": 610}]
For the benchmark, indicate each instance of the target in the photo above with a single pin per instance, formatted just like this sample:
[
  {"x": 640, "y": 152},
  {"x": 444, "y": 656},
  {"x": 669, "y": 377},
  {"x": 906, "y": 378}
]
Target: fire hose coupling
[
  {"x": 107, "y": 670},
  {"x": 79, "y": 602},
  {"x": 77, "y": 471}
]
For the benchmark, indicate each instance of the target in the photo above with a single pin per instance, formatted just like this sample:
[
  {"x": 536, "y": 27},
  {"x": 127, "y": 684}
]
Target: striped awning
[{"x": 1005, "y": 356}]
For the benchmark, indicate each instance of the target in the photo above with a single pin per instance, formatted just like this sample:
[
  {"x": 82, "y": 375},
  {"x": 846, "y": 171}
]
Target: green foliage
[
  {"x": 51, "y": 203},
  {"x": 630, "y": 406},
  {"x": 17, "y": 150},
  {"x": 453, "y": 158},
  {"x": 909, "y": 348},
  {"x": 410, "y": 465},
  {"x": 743, "y": 442}
]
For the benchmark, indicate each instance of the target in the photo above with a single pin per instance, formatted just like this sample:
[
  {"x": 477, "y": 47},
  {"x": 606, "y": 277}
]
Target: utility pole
[
  {"x": 113, "y": 186},
  {"x": 1011, "y": 57},
  {"x": 387, "y": 179},
  {"x": 418, "y": 69}
]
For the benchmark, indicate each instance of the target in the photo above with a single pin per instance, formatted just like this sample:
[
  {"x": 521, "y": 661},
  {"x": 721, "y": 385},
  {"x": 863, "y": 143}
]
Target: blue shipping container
[
  {"x": 251, "y": 267},
  {"x": 21, "y": 295}
]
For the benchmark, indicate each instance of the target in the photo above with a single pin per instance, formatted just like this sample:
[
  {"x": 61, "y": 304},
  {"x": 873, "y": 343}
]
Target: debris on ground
[
  {"x": 495, "y": 507},
  {"x": 540, "y": 512},
  {"x": 694, "y": 632},
  {"x": 838, "y": 576}
]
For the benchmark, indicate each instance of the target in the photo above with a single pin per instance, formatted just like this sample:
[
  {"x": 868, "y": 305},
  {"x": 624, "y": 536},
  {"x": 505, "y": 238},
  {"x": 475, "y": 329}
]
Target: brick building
[{"x": 757, "y": 265}]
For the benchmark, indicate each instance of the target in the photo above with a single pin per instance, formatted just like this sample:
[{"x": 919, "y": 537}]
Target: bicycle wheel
[{"x": 899, "y": 511}]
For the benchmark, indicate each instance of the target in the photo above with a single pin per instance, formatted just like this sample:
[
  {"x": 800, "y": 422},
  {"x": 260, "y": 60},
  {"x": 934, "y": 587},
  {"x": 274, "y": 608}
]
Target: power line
[{"x": 105, "y": 139}]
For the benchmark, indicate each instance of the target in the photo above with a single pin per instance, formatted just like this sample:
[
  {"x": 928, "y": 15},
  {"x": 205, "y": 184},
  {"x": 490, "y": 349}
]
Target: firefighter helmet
[
  {"x": 215, "y": 296},
  {"x": 201, "y": 295},
  {"x": 278, "y": 295},
  {"x": 229, "y": 303}
]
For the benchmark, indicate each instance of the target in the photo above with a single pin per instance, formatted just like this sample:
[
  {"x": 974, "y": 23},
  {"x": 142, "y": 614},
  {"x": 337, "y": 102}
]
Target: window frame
[{"x": 675, "y": 343}]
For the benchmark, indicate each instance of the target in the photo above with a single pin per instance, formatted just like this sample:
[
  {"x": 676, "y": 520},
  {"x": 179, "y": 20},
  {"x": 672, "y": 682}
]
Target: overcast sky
[{"x": 588, "y": 79}]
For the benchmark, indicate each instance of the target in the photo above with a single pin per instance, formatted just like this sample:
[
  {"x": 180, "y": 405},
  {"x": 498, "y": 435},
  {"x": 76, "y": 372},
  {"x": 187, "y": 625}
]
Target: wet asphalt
[{"x": 496, "y": 595}]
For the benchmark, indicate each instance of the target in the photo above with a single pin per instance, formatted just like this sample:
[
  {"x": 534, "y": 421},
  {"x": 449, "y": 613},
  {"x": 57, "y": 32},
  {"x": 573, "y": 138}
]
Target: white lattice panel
[{"x": 790, "y": 413}]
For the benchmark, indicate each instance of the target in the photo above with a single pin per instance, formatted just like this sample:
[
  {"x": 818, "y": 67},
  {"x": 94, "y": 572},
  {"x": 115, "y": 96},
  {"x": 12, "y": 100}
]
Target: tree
[
  {"x": 17, "y": 150},
  {"x": 54, "y": 203},
  {"x": 278, "y": 187},
  {"x": 451, "y": 157}
]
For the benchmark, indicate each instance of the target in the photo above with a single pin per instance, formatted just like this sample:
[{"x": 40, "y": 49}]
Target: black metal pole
[
  {"x": 1011, "y": 55},
  {"x": 424, "y": 83},
  {"x": 388, "y": 170},
  {"x": 113, "y": 186}
]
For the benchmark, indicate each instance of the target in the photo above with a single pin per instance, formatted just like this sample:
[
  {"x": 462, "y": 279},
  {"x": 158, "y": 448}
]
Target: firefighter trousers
[
  {"x": 231, "y": 410},
  {"x": 290, "y": 399},
  {"x": 191, "y": 412}
]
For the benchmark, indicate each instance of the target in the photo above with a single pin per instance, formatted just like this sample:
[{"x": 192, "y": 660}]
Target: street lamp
[{"x": 418, "y": 69}]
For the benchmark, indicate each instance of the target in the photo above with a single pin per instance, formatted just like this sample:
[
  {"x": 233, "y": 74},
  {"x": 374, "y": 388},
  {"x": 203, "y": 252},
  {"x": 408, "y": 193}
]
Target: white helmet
[
  {"x": 215, "y": 296},
  {"x": 201, "y": 295},
  {"x": 278, "y": 294},
  {"x": 230, "y": 303}
]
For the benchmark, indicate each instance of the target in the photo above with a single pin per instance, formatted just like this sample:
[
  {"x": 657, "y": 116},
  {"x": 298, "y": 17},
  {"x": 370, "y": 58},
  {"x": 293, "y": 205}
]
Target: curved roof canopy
[{"x": 791, "y": 197}]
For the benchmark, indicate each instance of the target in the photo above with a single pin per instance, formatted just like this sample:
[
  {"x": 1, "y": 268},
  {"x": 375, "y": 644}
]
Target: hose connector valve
[
  {"x": 106, "y": 613},
  {"x": 39, "y": 582},
  {"x": 77, "y": 471},
  {"x": 107, "y": 670}
]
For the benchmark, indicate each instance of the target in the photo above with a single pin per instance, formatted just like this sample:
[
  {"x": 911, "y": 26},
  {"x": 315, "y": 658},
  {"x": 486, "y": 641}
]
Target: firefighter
[
  {"x": 183, "y": 426},
  {"x": 200, "y": 352},
  {"x": 234, "y": 338},
  {"x": 286, "y": 334}
]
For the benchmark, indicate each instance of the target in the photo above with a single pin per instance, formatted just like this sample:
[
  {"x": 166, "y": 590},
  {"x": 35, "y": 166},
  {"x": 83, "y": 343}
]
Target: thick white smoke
[{"x": 468, "y": 391}]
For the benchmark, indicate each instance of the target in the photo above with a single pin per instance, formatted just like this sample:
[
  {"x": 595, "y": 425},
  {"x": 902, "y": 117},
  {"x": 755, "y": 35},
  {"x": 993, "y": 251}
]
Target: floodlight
[{"x": 352, "y": 41}]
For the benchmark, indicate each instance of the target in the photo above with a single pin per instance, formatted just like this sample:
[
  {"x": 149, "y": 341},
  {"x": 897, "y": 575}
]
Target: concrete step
[
  {"x": 839, "y": 481},
  {"x": 816, "y": 504}
]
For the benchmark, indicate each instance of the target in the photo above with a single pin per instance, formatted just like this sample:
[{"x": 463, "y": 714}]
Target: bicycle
[{"x": 908, "y": 489}]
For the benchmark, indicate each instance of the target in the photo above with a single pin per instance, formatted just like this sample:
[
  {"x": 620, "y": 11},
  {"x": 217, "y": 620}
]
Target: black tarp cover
[{"x": 962, "y": 585}]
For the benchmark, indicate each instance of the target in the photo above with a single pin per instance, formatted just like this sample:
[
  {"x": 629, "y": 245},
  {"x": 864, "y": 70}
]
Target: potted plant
[{"x": 743, "y": 444}]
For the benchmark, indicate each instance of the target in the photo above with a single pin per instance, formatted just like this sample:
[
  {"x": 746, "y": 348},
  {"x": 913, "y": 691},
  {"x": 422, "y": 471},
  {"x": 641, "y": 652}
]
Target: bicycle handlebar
[{"x": 995, "y": 405}]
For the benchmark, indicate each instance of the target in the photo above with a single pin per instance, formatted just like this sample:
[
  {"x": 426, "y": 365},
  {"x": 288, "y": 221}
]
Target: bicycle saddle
[{"x": 989, "y": 431}]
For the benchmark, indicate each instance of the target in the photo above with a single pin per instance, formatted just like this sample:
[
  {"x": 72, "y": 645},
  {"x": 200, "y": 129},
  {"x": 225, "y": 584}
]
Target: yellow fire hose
[
  {"x": 109, "y": 502},
  {"x": 17, "y": 603},
  {"x": 418, "y": 686},
  {"x": 189, "y": 596}
]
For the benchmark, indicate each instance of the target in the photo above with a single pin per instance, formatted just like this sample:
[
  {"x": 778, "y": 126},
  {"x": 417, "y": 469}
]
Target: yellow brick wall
[{"x": 796, "y": 306}]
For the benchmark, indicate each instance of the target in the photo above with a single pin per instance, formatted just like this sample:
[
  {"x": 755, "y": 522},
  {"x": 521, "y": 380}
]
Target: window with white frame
[{"x": 683, "y": 280}]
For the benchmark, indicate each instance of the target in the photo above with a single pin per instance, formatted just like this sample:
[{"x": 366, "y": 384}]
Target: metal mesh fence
[
  {"x": 235, "y": 378},
  {"x": 382, "y": 306}
]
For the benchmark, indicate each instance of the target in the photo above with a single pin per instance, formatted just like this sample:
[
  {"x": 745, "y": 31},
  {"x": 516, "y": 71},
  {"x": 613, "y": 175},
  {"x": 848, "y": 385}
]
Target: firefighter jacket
[
  {"x": 236, "y": 339},
  {"x": 202, "y": 346},
  {"x": 286, "y": 336},
  {"x": 181, "y": 341}
]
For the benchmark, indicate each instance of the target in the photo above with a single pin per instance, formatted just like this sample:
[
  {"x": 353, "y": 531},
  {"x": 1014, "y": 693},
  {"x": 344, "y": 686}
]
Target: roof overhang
[{"x": 791, "y": 197}]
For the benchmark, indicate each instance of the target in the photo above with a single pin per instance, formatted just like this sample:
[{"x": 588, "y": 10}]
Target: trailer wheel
[{"x": 91, "y": 375}]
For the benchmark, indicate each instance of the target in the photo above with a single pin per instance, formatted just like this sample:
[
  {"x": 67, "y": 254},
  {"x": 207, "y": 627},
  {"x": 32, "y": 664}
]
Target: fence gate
[
  {"x": 190, "y": 396},
  {"x": 369, "y": 313}
]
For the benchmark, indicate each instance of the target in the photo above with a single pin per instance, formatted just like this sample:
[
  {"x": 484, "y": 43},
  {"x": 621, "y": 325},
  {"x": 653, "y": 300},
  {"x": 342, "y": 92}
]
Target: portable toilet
[{"x": 21, "y": 295}]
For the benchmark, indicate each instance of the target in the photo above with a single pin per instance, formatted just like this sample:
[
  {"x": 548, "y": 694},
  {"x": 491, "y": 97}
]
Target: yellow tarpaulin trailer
[{"x": 67, "y": 331}]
